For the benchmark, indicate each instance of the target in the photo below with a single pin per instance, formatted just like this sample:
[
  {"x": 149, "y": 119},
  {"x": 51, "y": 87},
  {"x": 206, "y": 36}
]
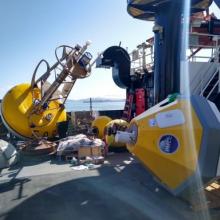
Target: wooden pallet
[
  {"x": 84, "y": 152},
  {"x": 212, "y": 194},
  {"x": 42, "y": 147}
]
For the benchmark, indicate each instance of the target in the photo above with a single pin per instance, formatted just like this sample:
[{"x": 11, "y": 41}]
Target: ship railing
[
  {"x": 142, "y": 58},
  {"x": 204, "y": 47},
  {"x": 214, "y": 86}
]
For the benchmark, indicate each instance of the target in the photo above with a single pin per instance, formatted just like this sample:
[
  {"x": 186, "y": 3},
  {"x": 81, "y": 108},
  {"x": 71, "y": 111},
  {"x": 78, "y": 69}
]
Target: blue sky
[{"x": 31, "y": 30}]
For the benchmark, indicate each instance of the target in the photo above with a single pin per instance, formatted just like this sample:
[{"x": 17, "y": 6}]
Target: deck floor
[{"x": 119, "y": 189}]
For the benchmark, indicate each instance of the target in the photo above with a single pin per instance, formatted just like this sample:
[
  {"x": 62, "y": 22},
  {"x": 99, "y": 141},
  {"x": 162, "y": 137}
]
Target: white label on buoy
[{"x": 170, "y": 118}]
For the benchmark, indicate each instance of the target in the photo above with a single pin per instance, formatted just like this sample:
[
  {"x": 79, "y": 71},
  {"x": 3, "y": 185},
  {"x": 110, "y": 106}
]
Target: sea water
[{"x": 78, "y": 105}]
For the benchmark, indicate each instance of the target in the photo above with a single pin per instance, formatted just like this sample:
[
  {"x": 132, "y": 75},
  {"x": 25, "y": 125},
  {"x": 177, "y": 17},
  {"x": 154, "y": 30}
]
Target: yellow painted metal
[
  {"x": 171, "y": 169},
  {"x": 100, "y": 123},
  {"x": 110, "y": 138},
  {"x": 203, "y": 4},
  {"x": 136, "y": 12},
  {"x": 17, "y": 106}
]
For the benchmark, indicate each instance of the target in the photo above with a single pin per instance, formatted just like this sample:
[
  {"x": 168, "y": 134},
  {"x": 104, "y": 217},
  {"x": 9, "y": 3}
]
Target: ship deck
[{"x": 119, "y": 189}]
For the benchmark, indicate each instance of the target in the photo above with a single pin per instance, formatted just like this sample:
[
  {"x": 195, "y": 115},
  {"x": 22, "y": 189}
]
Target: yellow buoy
[
  {"x": 17, "y": 113},
  {"x": 99, "y": 125},
  {"x": 111, "y": 129}
]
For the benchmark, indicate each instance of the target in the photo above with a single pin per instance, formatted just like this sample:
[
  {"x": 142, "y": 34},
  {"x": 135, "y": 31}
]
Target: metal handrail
[
  {"x": 213, "y": 76},
  {"x": 212, "y": 89},
  {"x": 201, "y": 81},
  {"x": 215, "y": 45},
  {"x": 204, "y": 34},
  {"x": 144, "y": 57},
  {"x": 203, "y": 57}
]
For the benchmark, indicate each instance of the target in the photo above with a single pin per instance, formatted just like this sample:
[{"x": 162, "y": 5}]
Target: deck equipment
[
  {"x": 178, "y": 139},
  {"x": 33, "y": 110}
]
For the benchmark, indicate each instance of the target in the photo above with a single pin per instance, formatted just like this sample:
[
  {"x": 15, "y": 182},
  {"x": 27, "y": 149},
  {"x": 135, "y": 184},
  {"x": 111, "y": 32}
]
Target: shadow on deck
[{"x": 121, "y": 189}]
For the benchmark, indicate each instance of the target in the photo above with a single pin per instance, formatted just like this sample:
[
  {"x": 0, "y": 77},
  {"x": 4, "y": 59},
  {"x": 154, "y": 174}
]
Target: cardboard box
[{"x": 89, "y": 152}]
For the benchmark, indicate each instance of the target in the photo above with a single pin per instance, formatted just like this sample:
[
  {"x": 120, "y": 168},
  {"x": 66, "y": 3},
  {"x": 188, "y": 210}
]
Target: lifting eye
[{"x": 134, "y": 130}]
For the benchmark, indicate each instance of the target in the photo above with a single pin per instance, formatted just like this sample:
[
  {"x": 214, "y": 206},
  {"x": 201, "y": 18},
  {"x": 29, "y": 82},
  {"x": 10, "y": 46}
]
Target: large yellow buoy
[
  {"x": 34, "y": 110},
  {"x": 111, "y": 129},
  {"x": 17, "y": 113},
  {"x": 177, "y": 140},
  {"x": 98, "y": 125}
]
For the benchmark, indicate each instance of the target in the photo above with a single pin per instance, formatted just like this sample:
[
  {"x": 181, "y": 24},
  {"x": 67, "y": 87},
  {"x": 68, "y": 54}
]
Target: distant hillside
[
  {"x": 98, "y": 104},
  {"x": 97, "y": 100},
  {"x": 102, "y": 100}
]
